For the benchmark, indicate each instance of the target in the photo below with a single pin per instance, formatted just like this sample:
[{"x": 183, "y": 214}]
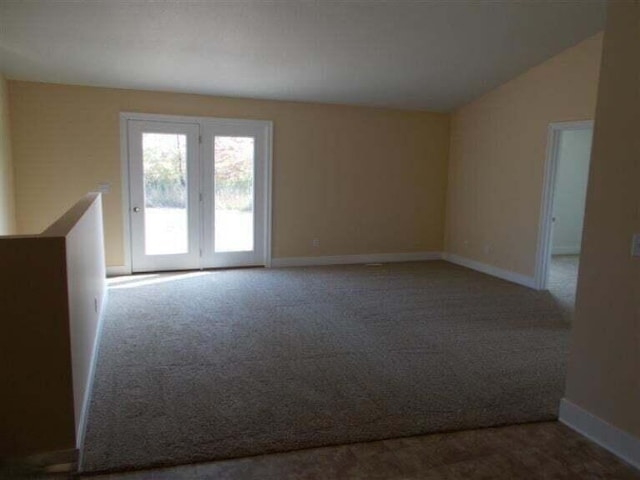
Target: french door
[{"x": 198, "y": 193}]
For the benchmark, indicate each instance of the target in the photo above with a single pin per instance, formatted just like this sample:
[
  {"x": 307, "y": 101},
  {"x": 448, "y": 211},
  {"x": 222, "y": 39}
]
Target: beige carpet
[
  {"x": 563, "y": 281},
  {"x": 212, "y": 365}
]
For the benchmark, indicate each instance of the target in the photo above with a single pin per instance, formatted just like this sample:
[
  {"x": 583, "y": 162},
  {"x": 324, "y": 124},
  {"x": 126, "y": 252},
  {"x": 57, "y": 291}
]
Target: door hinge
[
  {"x": 199, "y": 138},
  {"x": 200, "y": 252},
  {"x": 200, "y": 197}
]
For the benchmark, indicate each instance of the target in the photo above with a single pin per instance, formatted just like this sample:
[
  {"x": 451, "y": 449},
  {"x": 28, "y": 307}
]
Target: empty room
[{"x": 320, "y": 239}]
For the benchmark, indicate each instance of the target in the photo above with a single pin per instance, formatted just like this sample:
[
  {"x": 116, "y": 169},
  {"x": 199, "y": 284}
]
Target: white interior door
[
  {"x": 164, "y": 192},
  {"x": 199, "y": 193},
  {"x": 549, "y": 219}
]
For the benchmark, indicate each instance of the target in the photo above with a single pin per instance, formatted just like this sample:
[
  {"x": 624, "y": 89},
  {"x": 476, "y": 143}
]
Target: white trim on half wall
[{"x": 82, "y": 428}]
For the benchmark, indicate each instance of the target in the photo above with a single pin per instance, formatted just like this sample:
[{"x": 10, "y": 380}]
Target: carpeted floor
[
  {"x": 563, "y": 281},
  {"x": 212, "y": 365}
]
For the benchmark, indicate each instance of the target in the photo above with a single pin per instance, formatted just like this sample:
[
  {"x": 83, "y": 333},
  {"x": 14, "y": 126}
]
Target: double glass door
[{"x": 198, "y": 193}]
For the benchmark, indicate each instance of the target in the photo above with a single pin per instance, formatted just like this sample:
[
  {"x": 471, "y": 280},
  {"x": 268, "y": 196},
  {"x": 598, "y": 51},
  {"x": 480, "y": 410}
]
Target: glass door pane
[
  {"x": 164, "y": 158},
  {"x": 234, "y": 193},
  {"x": 164, "y": 188}
]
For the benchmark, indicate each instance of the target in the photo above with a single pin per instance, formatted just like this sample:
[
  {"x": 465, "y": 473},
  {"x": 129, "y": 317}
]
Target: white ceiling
[{"x": 431, "y": 55}]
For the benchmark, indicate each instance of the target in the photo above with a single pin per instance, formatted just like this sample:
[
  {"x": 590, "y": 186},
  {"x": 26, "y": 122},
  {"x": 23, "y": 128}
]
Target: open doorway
[{"x": 567, "y": 173}]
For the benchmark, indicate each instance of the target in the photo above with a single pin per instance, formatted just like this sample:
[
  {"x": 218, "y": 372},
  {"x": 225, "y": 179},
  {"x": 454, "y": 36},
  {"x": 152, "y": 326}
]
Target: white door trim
[
  {"x": 546, "y": 209},
  {"x": 126, "y": 268},
  {"x": 124, "y": 172}
]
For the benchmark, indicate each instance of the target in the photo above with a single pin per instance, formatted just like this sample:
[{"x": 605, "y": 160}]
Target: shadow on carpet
[{"x": 212, "y": 365}]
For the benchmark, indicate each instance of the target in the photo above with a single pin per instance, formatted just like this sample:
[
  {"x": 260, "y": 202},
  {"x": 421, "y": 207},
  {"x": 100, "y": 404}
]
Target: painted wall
[
  {"x": 35, "y": 348},
  {"x": 498, "y": 148},
  {"x": 361, "y": 180},
  {"x": 574, "y": 153},
  {"x": 81, "y": 227},
  {"x": 48, "y": 284},
  {"x": 7, "y": 206},
  {"x": 604, "y": 361}
]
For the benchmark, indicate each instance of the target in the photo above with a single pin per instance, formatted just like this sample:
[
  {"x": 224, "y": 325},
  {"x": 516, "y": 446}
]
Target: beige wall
[
  {"x": 7, "y": 208},
  {"x": 35, "y": 371},
  {"x": 81, "y": 227},
  {"x": 498, "y": 145},
  {"x": 49, "y": 284},
  {"x": 86, "y": 290},
  {"x": 604, "y": 362},
  {"x": 362, "y": 180}
]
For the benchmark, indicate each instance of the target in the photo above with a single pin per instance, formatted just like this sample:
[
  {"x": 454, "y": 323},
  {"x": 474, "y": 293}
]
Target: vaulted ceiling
[{"x": 430, "y": 55}]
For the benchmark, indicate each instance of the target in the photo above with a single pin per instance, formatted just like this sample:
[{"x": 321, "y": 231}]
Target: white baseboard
[
  {"x": 355, "y": 259},
  {"x": 570, "y": 250},
  {"x": 491, "y": 270},
  {"x": 617, "y": 441},
  {"x": 118, "y": 270},
  {"x": 82, "y": 424}
]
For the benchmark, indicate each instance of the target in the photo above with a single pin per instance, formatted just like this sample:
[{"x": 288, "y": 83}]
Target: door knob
[{"x": 136, "y": 209}]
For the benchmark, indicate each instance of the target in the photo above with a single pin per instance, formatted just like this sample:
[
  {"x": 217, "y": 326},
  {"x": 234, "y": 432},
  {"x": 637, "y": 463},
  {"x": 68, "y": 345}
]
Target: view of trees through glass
[
  {"x": 165, "y": 170},
  {"x": 166, "y": 199},
  {"x": 233, "y": 183},
  {"x": 234, "y": 173},
  {"x": 165, "y": 193}
]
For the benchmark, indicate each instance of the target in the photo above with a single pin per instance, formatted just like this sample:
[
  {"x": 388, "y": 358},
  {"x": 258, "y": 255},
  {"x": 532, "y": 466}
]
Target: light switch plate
[
  {"x": 635, "y": 245},
  {"x": 104, "y": 187}
]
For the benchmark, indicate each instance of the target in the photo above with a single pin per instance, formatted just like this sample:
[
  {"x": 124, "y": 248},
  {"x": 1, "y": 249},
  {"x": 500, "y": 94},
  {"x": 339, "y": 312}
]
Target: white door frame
[
  {"x": 548, "y": 190},
  {"x": 124, "y": 171}
]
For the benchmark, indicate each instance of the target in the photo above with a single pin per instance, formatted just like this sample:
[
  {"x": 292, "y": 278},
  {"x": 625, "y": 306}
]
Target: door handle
[{"x": 136, "y": 209}]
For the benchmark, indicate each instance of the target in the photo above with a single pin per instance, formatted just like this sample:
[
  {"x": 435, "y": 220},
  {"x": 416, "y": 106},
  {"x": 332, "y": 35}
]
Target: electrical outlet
[
  {"x": 315, "y": 242},
  {"x": 95, "y": 304},
  {"x": 635, "y": 245}
]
